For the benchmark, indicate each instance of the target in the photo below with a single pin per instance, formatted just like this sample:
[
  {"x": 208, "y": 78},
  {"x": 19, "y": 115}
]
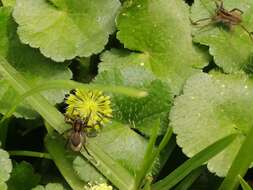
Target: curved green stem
[{"x": 29, "y": 154}]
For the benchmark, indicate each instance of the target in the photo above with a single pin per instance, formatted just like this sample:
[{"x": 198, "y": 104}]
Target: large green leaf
[
  {"x": 33, "y": 66},
  {"x": 213, "y": 106},
  {"x": 6, "y": 167},
  {"x": 65, "y": 29},
  {"x": 122, "y": 68},
  {"x": 23, "y": 177},
  {"x": 161, "y": 31},
  {"x": 232, "y": 49}
]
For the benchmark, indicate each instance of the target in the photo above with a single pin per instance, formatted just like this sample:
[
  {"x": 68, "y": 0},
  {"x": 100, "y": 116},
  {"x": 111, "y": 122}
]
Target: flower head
[
  {"x": 102, "y": 186},
  {"x": 90, "y": 106}
]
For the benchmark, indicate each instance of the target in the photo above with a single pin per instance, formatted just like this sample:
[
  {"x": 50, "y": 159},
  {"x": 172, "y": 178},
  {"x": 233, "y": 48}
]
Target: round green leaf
[
  {"x": 6, "y": 167},
  {"x": 161, "y": 30},
  {"x": 212, "y": 107},
  {"x": 125, "y": 68},
  {"x": 33, "y": 66},
  {"x": 232, "y": 48},
  {"x": 65, "y": 29}
]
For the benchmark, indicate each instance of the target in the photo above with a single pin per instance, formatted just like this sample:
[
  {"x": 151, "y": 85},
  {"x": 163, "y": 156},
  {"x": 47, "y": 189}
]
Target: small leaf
[
  {"x": 50, "y": 186},
  {"x": 33, "y": 66},
  {"x": 23, "y": 177},
  {"x": 65, "y": 29},
  {"x": 161, "y": 31},
  {"x": 6, "y": 167},
  {"x": 232, "y": 48},
  {"x": 213, "y": 106}
]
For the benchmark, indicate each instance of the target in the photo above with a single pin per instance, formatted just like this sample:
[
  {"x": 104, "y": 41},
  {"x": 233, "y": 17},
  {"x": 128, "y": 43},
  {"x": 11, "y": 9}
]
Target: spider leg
[
  {"x": 237, "y": 10},
  {"x": 92, "y": 133},
  {"x": 219, "y": 6},
  {"x": 86, "y": 119},
  {"x": 246, "y": 30},
  {"x": 205, "y": 26},
  {"x": 198, "y": 21},
  {"x": 68, "y": 120},
  {"x": 89, "y": 156}
]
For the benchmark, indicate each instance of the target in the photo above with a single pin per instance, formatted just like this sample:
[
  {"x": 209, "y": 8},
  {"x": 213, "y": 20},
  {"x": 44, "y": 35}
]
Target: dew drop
[
  {"x": 192, "y": 97},
  {"x": 246, "y": 86},
  {"x": 142, "y": 64},
  {"x": 53, "y": 137},
  {"x": 108, "y": 172},
  {"x": 139, "y": 6}
]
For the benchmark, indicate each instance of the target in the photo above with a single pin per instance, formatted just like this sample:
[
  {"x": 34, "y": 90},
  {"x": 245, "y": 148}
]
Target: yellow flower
[
  {"x": 91, "y": 106},
  {"x": 102, "y": 186}
]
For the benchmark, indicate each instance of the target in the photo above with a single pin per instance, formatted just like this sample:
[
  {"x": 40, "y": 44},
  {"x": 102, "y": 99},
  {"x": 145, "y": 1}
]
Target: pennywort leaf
[
  {"x": 6, "y": 168},
  {"x": 118, "y": 68},
  {"x": 231, "y": 47},
  {"x": 170, "y": 53},
  {"x": 82, "y": 27},
  {"x": 211, "y": 107},
  {"x": 35, "y": 68}
]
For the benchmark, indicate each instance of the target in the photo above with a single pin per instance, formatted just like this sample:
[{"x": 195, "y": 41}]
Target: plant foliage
[{"x": 176, "y": 79}]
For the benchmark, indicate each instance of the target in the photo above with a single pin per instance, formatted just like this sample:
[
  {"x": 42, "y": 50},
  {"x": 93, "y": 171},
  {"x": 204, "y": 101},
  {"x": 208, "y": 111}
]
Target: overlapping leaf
[
  {"x": 86, "y": 171},
  {"x": 212, "y": 107},
  {"x": 232, "y": 48},
  {"x": 65, "y": 29},
  {"x": 23, "y": 177},
  {"x": 161, "y": 31},
  {"x": 6, "y": 167},
  {"x": 33, "y": 66},
  {"x": 50, "y": 186},
  {"x": 123, "y": 145},
  {"x": 124, "y": 68}
]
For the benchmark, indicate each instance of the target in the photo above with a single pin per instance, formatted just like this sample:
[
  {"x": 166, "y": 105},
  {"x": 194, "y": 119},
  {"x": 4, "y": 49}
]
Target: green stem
[
  {"x": 29, "y": 154},
  {"x": 240, "y": 164},
  {"x": 187, "y": 167},
  {"x": 37, "y": 101}
]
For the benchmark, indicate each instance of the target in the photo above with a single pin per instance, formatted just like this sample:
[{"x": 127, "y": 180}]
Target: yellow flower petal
[{"x": 91, "y": 106}]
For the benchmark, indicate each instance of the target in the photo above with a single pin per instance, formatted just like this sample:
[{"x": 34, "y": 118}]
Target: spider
[{"x": 228, "y": 18}]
